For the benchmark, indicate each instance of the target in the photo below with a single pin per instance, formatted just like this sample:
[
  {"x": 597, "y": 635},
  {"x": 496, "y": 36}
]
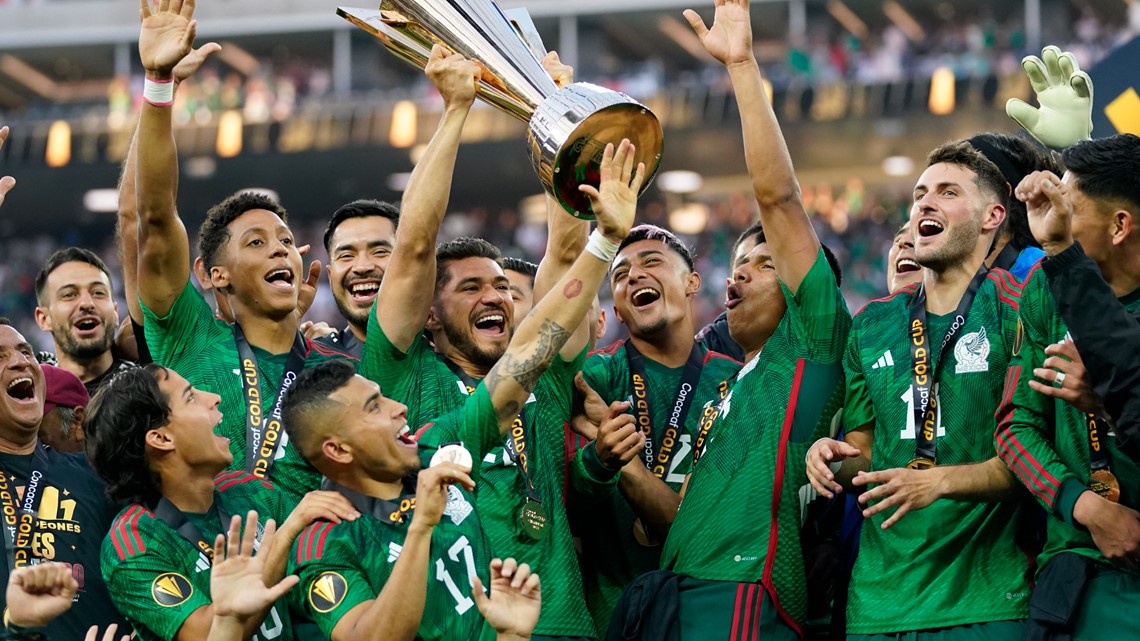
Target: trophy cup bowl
[{"x": 568, "y": 127}]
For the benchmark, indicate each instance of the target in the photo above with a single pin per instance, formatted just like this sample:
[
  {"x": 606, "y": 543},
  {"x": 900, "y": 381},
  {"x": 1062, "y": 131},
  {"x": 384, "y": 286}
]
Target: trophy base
[{"x": 569, "y": 132}]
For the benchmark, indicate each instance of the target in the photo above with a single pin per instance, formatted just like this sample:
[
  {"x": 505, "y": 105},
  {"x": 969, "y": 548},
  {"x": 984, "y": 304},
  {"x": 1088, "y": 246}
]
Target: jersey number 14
[{"x": 908, "y": 398}]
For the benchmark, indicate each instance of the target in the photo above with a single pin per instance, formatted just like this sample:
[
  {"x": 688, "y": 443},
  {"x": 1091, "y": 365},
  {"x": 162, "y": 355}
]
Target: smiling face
[
  {"x": 194, "y": 415},
  {"x": 376, "y": 431},
  {"x": 79, "y": 310},
  {"x": 359, "y": 250},
  {"x": 260, "y": 266},
  {"x": 754, "y": 300},
  {"x": 473, "y": 312},
  {"x": 653, "y": 288},
  {"x": 902, "y": 268},
  {"x": 22, "y": 401},
  {"x": 949, "y": 216}
]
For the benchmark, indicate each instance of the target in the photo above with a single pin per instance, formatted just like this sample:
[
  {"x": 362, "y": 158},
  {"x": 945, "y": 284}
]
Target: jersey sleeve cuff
[
  {"x": 594, "y": 468},
  {"x": 1062, "y": 262},
  {"x": 1071, "y": 490}
]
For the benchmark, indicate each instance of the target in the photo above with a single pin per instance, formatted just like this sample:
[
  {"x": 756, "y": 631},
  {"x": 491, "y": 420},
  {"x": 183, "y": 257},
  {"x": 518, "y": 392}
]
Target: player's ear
[
  {"x": 1122, "y": 226},
  {"x": 42, "y": 319},
  {"x": 994, "y": 217},
  {"x": 432, "y": 324},
  {"x": 219, "y": 277},
  {"x": 160, "y": 439},
  {"x": 336, "y": 451},
  {"x": 692, "y": 283}
]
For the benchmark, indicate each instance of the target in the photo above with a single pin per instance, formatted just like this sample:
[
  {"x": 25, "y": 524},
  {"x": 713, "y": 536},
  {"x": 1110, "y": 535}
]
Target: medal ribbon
[
  {"x": 658, "y": 462},
  {"x": 169, "y": 514},
  {"x": 382, "y": 510},
  {"x": 518, "y": 448},
  {"x": 1099, "y": 457},
  {"x": 20, "y": 515},
  {"x": 708, "y": 417},
  {"x": 261, "y": 449},
  {"x": 924, "y": 372}
]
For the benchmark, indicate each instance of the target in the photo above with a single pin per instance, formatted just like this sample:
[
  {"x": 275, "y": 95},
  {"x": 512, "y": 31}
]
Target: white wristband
[
  {"x": 159, "y": 93},
  {"x": 602, "y": 247}
]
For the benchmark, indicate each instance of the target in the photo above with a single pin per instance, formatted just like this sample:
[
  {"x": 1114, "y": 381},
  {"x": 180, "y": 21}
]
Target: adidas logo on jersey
[
  {"x": 203, "y": 564},
  {"x": 394, "y": 552},
  {"x": 886, "y": 360}
]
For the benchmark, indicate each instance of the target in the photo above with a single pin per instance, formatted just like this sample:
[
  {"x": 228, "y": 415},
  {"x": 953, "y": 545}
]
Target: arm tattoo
[{"x": 525, "y": 369}]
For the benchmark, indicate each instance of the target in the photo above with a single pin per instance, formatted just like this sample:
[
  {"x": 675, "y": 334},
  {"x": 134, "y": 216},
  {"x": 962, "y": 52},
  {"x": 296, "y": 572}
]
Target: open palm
[
  {"x": 729, "y": 40},
  {"x": 167, "y": 34}
]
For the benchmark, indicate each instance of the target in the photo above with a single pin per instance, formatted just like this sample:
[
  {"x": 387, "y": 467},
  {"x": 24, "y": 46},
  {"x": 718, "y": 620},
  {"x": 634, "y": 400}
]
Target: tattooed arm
[{"x": 546, "y": 329}]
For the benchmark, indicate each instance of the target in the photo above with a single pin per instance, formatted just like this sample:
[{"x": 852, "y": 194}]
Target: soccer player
[
  {"x": 923, "y": 374},
  {"x": 150, "y": 436},
  {"x": 360, "y": 441},
  {"x": 76, "y": 306},
  {"x": 902, "y": 268},
  {"x": 54, "y": 507},
  {"x": 359, "y": 240},
  {"x": 742, "y": 572},
  {"x": 521, "y": 274},
  {"x": 1062, "y": 451},
  {"x": 251, "y": 258},
  {"x": 669, "y": 379}
]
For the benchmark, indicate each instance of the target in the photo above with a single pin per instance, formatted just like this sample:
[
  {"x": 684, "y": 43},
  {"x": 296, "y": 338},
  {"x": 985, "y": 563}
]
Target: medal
[
  {"x": 642, "y": 536},
  {"x": 532, "y": 519},
  {"x": 1104, "y": 483},
  {"x": 920, "y": 463},
  {"x": 452, "y": 453}
]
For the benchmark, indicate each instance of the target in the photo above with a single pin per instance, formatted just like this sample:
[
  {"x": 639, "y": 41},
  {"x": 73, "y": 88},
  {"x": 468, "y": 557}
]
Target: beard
[
  {"x": 464, "y": 343},
  {"x": 960, "y": 243},
  {"x": 355, "y": 317},
  {"x": 652, "y": 328},
  {"x": 84, "y": 350}
]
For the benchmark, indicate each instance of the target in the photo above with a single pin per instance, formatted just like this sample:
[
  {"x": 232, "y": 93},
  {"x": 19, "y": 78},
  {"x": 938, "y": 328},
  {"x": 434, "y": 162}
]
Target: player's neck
[
  {"x": 15, "y": 441},
  {"x": 1122, "y": 273},
  {"x": 359, "y": 331},
  {"x": 944, "y": 289},
  {"x": 190, "y": 491},
  {"x": 670, "y": 347},
  {"x": 1002, "y": 241},
  {"x": 272, "y": 335},
  {"x": 362, "y": 484},
  {"x": 87, "y": 370},
  {"x": 469, "y": 367}
]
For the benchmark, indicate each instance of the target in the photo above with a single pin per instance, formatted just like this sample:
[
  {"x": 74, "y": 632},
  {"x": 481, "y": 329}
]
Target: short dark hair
[
  {"x": 458, "y": 249},
  {"x": 1108, "y": 169},
  {"x": 524, "y": 267},
  {"x": 757, "y": 230},
  {"x": 653, "y": 232},
  {"x": 215, "y": 230},
  {"x": 117, "y": 420},
  {"x": 986, "y": 174},
  {"x": 1016, "y": 158},
  {"x": 67, "y": 255},
  {"x": 360, "y": 209},
  {"x": 306, "y": 400},
  {"x": 4, "y": 320}
]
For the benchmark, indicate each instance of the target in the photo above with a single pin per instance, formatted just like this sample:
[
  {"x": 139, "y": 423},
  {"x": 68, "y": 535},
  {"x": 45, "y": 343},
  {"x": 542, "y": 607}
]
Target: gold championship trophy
[{"x": 568, "y": 127}]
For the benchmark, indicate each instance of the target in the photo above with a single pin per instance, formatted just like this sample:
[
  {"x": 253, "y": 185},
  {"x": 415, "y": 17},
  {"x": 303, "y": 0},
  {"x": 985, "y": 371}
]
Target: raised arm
[
  {"x": 543, "y": 333},
  {"x": 167, "y": 36},
  {"x": 794, "y": 245},
  {"x": 7, "y": 182},
  {"x": 405, "y": 296}
]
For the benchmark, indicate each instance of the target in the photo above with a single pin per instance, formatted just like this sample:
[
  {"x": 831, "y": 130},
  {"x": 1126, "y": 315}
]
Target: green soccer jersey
[
  {"x": 417, "y": 378},
  {"x": 344, "y": 565},
  {"x": 953, "y": 562},
  {"x": 1045, "y": 441},
  {"x": 611, "y": 557},
  {"x": 201, "y": 348},
  {"x": 740, "y": 520},
  {"x": 503, "y": 493},
  {"x": 158, "y": 578}
]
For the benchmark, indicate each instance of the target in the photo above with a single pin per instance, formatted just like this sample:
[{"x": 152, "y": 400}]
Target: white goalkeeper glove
[{"x": 1065, "y": 94}]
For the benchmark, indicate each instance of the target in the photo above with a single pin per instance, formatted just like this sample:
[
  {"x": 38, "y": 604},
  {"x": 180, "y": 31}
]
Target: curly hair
[
  {"x": 118, "y": 418},
  {"x": 215, "y": 230}
]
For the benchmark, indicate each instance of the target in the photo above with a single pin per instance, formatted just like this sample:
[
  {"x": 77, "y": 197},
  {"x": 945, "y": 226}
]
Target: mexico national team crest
[
  {"x": 972, "y": 352},
  {"x": 170, "y": 589},
  {"x": 327, "y": 591}
]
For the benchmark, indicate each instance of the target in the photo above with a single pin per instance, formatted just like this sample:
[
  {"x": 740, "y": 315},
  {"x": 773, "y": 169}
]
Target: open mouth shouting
[
  {"x": 280, "y": 278},
  {"x": 363, "y": 291},
  {"x": 644, "y": 297},
  {"x": 491, "y": 322},
  {"x": 733, "y": 296},
  {"x": 22, "y": 389},
  {"x": 928, "y": 228},
  {"x": 906, "y": 264},
  {"x": 87, "y": 326}
]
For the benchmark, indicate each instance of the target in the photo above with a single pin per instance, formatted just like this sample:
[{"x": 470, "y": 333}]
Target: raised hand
[
  {"x": 190, "y": 63},
  {"x": 167, "y": 35},
  {"x": 561, "y": 74},
  {"x": 1050, "y": 208},
  {"x": 729, "y": 40},
  {"x": 589, "y": 409},
  {"x": 615, "y": 204},
  {"x": 237, "y": 589},
  {"x": 39, "y": 593},
  {"x": 454, "y": 76},
  {"x": 516, "y": 598},
  {"x": 109, "y": 634},
  {"x": 7, "y": 182},
  {"x": 1065, "y": 94}
]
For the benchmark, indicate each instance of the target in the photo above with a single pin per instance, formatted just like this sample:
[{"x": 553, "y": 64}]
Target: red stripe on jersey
[
  {"x": 117, "y": 536},
  {"x": 756, "y": 617},
  {"x": 1007, "y": 294},
  {"x": 610, "y": 349},
  {"x": 736, "y": 610},
  {"x": 749, "y": 605},
  {"x": 1006, "y": 408},
  {"x": 320, "y": 547},
  {"x": 225, "y": 476},
  {"x": 909, "y": 289},
  {"x": 777, "y": 489},
  {"x": 305, "y": 547},
  {"x": 131, "y": 537},
  {"x": 709, "y": 355},
  {"x": 243, "y": 477},
  {"x": 1045, "y": 489},
  {"x": 327, "y": 350}
]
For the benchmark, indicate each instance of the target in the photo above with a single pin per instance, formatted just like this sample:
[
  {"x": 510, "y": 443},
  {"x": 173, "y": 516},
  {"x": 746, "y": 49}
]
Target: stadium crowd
[{"x": 459, "y": 457}]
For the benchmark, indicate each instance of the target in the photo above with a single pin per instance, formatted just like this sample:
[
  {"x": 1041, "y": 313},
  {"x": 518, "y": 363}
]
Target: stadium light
[
  {"x": 398, "y": 182},
  {"x": 942, "y": 92},
  {"x": 689, "y": 219},
  {"x": 679, "y": 181},
  {"x": 58, "y": 151},
  {"x": 898, "y": 166},
  {"x": 101, "y": 201},
  {"x": 403, "y": 130},
  {"x": 229, "y": 134}
]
